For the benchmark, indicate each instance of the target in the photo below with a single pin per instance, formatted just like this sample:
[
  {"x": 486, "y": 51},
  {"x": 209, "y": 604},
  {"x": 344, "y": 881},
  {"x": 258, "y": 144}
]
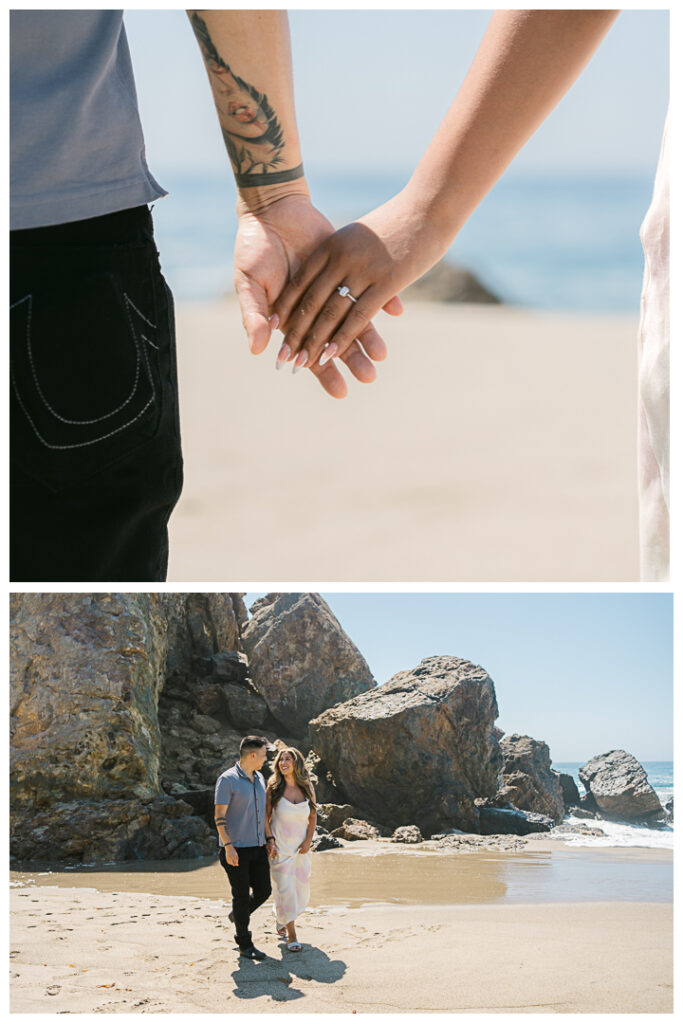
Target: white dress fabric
[
  {"x": 653, "y": 383},
  {"x": 290, "y": 871}
]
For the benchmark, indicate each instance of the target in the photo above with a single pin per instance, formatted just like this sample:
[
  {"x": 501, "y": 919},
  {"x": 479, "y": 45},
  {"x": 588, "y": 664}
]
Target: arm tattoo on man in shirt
[{"x": 251, "y": 131}]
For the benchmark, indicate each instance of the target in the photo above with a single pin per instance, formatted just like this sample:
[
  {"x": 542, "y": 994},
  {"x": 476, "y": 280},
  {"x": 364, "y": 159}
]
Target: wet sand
[
  {"x": 496, "y": 444},
  {"x": 545, "y": 929},
  {"x": 375, "y": 873}
]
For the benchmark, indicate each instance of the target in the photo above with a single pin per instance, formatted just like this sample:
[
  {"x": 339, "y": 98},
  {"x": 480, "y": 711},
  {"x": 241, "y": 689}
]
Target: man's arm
[
  {"x": 248, "y": 62},
  {"x": 247, "y": 59},
  {"x": 219, "y": 819}
]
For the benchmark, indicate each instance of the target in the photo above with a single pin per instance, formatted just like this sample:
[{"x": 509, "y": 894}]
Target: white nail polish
[
  {"x": 329, "y": 352},
  {"x": 283, "y": 355}
]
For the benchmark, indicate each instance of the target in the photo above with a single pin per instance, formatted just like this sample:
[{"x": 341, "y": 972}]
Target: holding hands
[
  {"x": 271, "y": 244},
  {"x": 330, "y": 301}
]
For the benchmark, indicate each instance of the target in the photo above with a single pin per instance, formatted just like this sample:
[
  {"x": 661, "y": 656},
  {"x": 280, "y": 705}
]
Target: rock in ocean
[{"x": 618, "y": 784}]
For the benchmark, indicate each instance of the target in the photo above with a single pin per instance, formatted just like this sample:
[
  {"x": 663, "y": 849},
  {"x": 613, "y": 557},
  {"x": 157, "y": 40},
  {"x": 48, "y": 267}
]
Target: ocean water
[
  {"x": 660, "y": 776},
  {"x": 552, "y": 243}
]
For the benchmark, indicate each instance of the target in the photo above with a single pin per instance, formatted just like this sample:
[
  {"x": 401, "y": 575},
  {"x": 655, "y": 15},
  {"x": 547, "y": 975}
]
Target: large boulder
[
  {"x": 418, "y": 749},
  {"x": 528, "y": 780},
  {"x": 300, "y": 659},
  {"x": 618, "y": 785}
]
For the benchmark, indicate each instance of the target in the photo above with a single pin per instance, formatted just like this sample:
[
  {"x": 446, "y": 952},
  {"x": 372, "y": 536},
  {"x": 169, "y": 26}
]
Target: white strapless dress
[{"x": 290, "y": 871}]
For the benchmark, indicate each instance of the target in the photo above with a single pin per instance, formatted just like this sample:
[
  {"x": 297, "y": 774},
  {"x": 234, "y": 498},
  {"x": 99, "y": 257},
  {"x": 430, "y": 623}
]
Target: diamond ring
[{"x": 345, "y": 293}]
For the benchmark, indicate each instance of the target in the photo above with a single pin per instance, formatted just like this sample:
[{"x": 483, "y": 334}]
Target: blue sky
[
  {"x": 372, "y": 86},
  {"x": 584, "y": 672}
]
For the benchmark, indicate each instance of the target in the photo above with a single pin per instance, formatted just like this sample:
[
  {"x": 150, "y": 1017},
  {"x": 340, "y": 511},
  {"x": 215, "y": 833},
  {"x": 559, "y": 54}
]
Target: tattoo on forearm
[{"x": 251, "y": 131}]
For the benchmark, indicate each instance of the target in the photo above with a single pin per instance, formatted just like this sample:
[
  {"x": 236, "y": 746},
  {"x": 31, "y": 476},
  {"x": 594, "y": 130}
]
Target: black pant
[
  {"x": 96, "y": 465},
  {"x": 253, "y": 872}
]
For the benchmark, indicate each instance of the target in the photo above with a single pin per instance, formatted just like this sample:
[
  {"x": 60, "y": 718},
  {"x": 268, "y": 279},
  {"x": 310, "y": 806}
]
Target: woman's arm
[
  {"x": 524, "y": 66},
  {"x": 310, "y": 830},
  {"x": 272, "y": 847}
]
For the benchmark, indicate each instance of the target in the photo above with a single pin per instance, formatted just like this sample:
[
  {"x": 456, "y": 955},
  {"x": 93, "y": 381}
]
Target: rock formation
[
  {"x": 570, "y": 791},
  {"x": 408, "y": 834},
  {"x": 86, "y": 672},
  {"x": 618, "y": 784},
  {"x": 419, "y": 749},
  {"x": 529, "y": 782},
  {"x": 300, "y": 659},
  {"x": 494, "y": 821},
  {"x": 448, "y": 283},
  {"x": 126, "y": 707}
]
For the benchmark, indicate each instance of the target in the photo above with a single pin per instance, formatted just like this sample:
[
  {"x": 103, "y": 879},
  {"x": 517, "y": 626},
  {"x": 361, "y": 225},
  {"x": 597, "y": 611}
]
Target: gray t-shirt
[
  {"x": 77, "y": 149},
  {"x": 246, "y": 800}
]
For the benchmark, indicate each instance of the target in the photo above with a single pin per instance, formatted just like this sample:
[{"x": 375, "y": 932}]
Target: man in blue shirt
[{"x": 245, "y": 847}]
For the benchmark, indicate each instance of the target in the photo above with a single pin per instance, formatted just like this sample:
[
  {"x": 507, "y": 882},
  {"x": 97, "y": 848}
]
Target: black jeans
[
  {"x": 253, "y": 872},
  {"x": 95, "y": 461}
]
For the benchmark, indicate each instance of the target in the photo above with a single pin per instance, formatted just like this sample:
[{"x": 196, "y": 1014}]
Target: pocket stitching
[{"x": 102, "y": 437}]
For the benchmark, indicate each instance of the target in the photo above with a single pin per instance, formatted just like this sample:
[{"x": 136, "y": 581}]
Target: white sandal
[{"x": 294, "y": 947}]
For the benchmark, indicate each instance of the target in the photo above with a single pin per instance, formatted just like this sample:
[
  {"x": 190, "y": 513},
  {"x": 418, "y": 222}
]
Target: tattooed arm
[
  {"x": 525, "y": 64},
  {"x": 247, "y": 59}
]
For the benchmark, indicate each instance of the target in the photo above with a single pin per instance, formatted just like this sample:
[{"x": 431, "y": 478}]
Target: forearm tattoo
[{"x": 251, "y": 131}]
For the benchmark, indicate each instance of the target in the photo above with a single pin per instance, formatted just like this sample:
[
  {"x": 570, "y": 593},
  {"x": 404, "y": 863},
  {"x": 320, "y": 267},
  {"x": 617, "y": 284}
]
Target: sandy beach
[
  {"x": 496, "y": 444},
  {"x": 409, "y": 931}
]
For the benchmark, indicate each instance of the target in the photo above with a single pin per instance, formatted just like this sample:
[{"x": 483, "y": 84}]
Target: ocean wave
[{"x": 618, "y": 833}]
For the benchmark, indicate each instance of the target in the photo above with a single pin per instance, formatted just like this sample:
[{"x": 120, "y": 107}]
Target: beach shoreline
[{"x": 89, "y": 948}]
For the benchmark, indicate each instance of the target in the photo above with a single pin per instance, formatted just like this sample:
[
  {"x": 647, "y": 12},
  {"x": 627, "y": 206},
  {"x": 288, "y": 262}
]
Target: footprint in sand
[
  {"x": 14, "y": 952},
  {"x": 53, "y": 990}
]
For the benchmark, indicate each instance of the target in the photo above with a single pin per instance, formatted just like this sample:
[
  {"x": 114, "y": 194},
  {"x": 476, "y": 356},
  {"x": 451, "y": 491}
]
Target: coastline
[
  {"x": 98, "y": 942},
  {"x": 497, "y": 443}
]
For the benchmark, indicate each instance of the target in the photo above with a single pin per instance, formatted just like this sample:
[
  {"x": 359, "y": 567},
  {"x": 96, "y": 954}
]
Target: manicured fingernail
[
  {"x": 300, "y": 361},
  {"x": 329, "y": 352},
  {"x": 283, "y": 355},
  {"x": 274, "y": 322}
]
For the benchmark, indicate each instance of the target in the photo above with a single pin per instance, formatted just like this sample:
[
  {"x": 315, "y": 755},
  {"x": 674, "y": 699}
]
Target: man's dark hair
[{"x": 253, "y": 743}]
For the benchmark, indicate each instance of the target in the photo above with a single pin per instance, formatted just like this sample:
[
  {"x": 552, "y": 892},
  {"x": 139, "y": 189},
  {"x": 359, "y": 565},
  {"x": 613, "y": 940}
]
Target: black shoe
[{"x": 252, "y": 953}]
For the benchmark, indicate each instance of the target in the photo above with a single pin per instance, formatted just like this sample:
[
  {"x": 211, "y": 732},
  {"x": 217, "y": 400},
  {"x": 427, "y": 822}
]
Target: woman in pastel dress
[{"x": 290, "y": 818}]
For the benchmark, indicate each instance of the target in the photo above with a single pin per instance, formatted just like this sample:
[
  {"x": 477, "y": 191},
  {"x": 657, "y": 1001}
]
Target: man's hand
[
  {"x": 272, "y": 850},
  {"x": 231, "y": 856},
  {"x": 271, "y": 244}
]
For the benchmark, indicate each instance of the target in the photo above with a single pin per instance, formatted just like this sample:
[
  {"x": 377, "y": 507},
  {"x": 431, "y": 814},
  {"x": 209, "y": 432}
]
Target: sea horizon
[{"x": 554, "y": 242}]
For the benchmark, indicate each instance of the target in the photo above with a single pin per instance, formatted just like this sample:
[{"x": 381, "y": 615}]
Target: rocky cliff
[{"x": 126, "y": 707}]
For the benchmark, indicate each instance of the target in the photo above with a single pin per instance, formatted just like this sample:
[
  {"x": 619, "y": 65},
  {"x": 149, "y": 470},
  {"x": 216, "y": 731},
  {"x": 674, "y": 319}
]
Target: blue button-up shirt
[{"x": 246, "y": 803}]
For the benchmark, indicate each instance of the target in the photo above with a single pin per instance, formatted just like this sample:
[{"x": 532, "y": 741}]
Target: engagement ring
[{"x": 345, "y": 293}]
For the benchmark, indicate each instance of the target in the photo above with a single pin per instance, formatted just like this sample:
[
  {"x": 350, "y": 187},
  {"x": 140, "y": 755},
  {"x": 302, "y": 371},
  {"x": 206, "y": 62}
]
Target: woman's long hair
[{"x": 276, "y": 782}]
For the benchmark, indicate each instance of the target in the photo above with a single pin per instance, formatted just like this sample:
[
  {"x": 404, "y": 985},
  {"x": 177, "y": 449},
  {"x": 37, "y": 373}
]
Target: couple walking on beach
[
  {"x": 96, "y": 466},
  {"x": 265, "y": 835}
]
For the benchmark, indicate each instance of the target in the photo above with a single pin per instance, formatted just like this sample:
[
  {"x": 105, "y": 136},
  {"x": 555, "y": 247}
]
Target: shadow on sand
[{"x": 277, "y": 978}]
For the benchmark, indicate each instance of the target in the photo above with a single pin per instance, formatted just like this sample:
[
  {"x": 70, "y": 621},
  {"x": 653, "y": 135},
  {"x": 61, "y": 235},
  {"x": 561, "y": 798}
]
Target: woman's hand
[
  {"x": 270, "y": 246},
  {"x": 305, "y": 846},
  {"x": 374, "y": 257}
]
